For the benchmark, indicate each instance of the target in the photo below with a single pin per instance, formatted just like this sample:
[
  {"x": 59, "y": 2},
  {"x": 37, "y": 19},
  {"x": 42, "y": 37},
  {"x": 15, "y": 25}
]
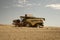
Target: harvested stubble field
[{"x": 28, "y": 33}]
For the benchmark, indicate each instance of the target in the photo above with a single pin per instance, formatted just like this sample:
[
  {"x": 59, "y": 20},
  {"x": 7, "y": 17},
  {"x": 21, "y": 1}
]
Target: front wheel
[
  {"x": 28, "y": 24},
  {"x": 39, "y": 25}
]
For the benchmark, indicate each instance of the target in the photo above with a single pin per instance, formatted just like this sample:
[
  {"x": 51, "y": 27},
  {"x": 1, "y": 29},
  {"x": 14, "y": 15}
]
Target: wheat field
[{"x": 29, "y": 33}]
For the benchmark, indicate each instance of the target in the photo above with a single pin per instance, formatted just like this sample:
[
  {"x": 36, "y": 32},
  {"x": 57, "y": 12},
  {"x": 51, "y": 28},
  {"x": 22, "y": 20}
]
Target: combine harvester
[{"x": 29, "y": 21}]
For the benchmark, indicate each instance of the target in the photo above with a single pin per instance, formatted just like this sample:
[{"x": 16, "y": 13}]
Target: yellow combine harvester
[{"x": 29, "y": 21}]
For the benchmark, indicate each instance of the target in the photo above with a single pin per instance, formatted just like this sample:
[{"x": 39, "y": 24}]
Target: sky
[{"x": 13, "y": 9}]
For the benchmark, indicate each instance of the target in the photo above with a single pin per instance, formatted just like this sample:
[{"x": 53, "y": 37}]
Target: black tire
[
  {"x": 28, "y": 24},
  {"x": 39, "y": 25}
]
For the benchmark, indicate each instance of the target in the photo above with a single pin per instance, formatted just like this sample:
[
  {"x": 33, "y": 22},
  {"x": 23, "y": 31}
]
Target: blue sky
[{"x": 12, "y": 9}]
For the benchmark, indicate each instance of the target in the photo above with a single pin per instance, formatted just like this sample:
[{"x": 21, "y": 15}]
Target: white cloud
[
  {"x": 22, "y": 1},
  {"x": 18, "y": 5},
  {"x": 54, "y": 6},
  {"x": 33, "y": 4},
  {"x": 29, "y": 5}
]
